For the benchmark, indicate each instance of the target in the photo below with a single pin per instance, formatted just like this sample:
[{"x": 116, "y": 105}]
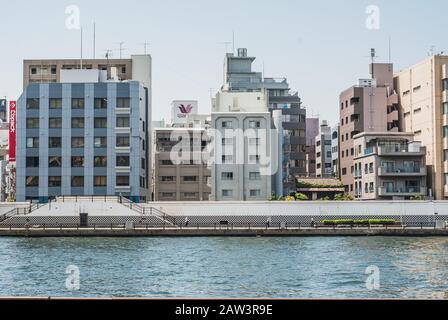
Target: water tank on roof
[{"x": 242, "y": 52}]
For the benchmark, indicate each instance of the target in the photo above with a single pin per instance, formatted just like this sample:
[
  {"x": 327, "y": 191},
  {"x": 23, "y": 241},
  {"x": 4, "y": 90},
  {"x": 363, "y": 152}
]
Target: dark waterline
[{"x": 225, "y": 267}]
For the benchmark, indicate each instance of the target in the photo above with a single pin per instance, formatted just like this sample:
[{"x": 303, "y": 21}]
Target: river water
[{"x": 225, "y": 267}]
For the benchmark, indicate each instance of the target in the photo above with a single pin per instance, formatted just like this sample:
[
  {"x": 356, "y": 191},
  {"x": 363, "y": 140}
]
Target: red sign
[{"x": 12, "y": 130}]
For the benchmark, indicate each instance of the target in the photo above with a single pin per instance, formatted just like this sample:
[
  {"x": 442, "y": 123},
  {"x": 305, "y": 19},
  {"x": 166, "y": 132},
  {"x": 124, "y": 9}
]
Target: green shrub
[
  {"x": 301, "y": 197},
  {"x": 359, "y": 222}
]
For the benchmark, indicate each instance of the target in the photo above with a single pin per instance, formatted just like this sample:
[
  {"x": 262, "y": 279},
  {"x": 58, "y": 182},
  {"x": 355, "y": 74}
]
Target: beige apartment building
[
  {"x": 423, "y": 98},
  {"x": 188, "y": 179},
  {"x": 389, "y": 166},
  {"x": 48, "y": 70},
  {"x": 370, "y": 106}
]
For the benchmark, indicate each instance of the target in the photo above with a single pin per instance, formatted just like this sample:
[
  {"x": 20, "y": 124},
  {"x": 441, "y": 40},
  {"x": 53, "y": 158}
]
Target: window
[
  {"x": 123, "y": 181},
  {"x": 227, "y": 141},
  {"x": 77, "y": 103},
  {"x": 55, "y": 123},
  {"x": 55, "y": 103},
  {"x": 445, "y": 84},
  {"x": 123, "y": 103},
  {"x": 100, "y": 162},
  {"x": 100, "y": 103},
  {"x": 227, "y": 124},
  {"x": 190, "y": 179},
  {"x": 78, "y": 123},
  {"x": 123, "y": 141},
  {"x": 55, "y": 142},
  {"x": 122, "y": 122},
  {"x": 32, "y": 181},
  {"x": 32, "y": 142},
  {"x": 32, "y": 162},
  {"x": 190, "y": 195},
  {"x": 227, "y": 176},
  {"x": 77, "y": 182},
  {"x": 53, "y": 70},
  {"x": 254, "y": 159},
  {"x": 54, "y": 182},
  {"x": 254, "y": 176},
  {"x": 100, "y": 123},
  {"x": 32, "y": 103},
  {"x": 227, "y": 159},
  {"x": 77, "y": 142},
  {"x": 166, "y": 163},
  {"x": 55, "y": 162},
  {"x": 100, "y": 181},
  {"x": 445, "y": 108},
  {"x": 254, "y": 124},
  {"x": 123, "y": 161},
  {"x": 445, "y": 131},
  {"x": 255, "y": 193},
  {"x": 167, "y": 194},
  {"x": 254, "y": 141},
  {"x": 100, "y": 142},
  {"x": 77, "y": 162},
  {"x": 33, "y": 71},
  {"x": 227, "y": 193},
  {"x": 167, "y": 179},
  {"x": 32, "y": 123},
  {"x": 344, "y": 171}
]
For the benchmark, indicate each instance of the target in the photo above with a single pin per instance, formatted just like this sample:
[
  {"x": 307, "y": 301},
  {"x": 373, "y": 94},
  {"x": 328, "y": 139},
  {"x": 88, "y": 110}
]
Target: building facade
[
  {"x": 138, "y": 68},
  {"x": 186, "y": 178},
  {"x": 239, "y": 77},
  {"x": 83, "y": 139},
  {"x": 423, "y": 100},
  {"x": 312, "y": 130},
  {"x": 324, "y": 164},
  {"x": 335, "y": 152},
  {"x": 389, "y": 166},
  {"x": 371, "y": 106},
  {"x": 245, "y": 152}
]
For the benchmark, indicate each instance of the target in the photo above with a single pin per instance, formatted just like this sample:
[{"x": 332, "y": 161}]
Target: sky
[{"x": 322, "y": 47}]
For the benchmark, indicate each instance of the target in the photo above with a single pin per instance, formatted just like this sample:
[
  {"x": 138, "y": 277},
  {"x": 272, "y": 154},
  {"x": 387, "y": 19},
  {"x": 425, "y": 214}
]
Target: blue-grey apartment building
[{"x": 84, "y": 136}]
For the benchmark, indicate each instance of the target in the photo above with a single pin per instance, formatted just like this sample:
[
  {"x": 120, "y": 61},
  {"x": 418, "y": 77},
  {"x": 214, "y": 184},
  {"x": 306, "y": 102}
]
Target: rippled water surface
[{"x": 226, "y": 267}]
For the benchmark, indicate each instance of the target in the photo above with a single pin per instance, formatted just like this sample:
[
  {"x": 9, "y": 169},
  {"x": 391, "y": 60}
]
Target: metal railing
[{"x": 215, "y": 226}]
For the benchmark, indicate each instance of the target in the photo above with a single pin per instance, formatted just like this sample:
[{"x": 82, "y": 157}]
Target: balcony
[
  {"x": 401, "y": 192},
  {"x": 402, "y": 172},
  {"x": 411, "y": 150}
]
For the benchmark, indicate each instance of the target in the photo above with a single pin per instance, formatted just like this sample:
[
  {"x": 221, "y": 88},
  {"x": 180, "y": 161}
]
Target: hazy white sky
[{"x": 321, "y": 46}]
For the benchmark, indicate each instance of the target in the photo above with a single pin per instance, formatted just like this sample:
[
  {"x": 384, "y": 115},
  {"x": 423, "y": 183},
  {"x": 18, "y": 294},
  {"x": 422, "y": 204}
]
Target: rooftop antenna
[
  {"x": 390, "y": 50},
  {"x": 121, "y": 49},
  {"x": 145, "y": 46},
  {"x": 431, "y": 50},
  {"x": 373, "y": 56},
  {"x": 94, "y": 40},
  {"x": 226, "y": 43},
  {"x": 233, "y": 42},
  {"x": 81, "y": 48}
]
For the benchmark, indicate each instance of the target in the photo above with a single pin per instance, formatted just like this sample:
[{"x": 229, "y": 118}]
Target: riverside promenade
[{"x": 118, "y": 217}]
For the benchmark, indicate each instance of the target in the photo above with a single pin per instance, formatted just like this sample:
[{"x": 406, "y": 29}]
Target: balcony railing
[
  {"x": 405, "y": 191},
  {"x": 402, "y": 150},
  {"x": 401, "y": 171}
]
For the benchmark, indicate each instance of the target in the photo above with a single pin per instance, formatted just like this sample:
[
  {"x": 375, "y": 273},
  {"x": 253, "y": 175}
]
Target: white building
[
  {"x": 246, "y": 158},
  {"x": 324, "y": 165}
]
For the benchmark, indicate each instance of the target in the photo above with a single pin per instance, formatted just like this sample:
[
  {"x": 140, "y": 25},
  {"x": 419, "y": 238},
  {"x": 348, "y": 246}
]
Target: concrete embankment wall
[{"x": 330, "y": 208}]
